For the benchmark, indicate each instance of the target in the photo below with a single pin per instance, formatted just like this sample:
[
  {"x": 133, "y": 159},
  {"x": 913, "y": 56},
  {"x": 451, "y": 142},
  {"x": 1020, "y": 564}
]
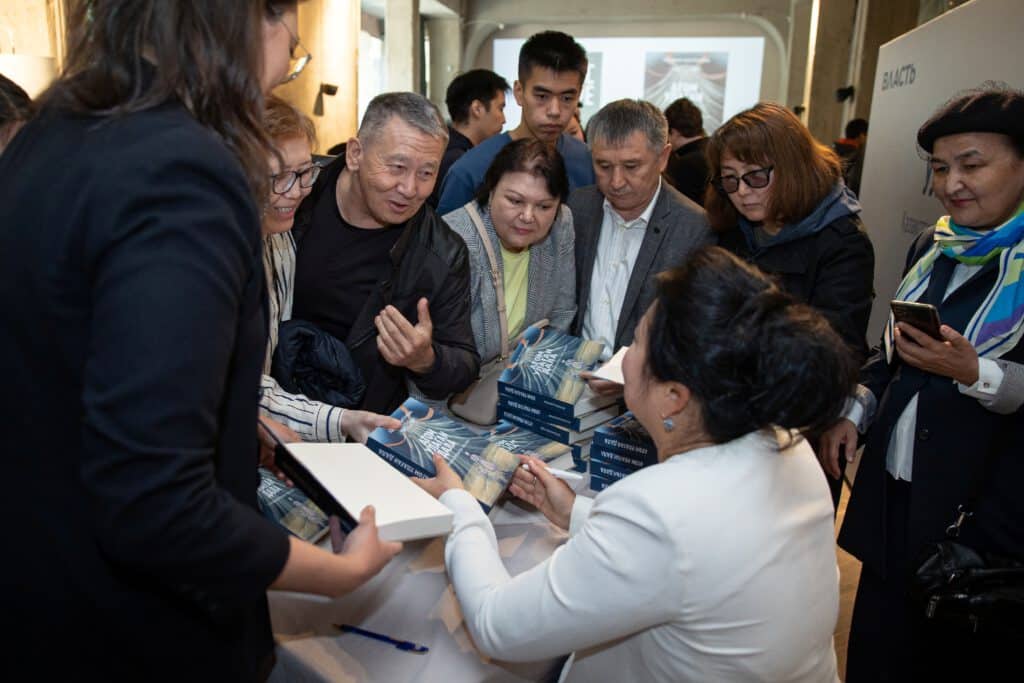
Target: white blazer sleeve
[{"x": 612, "y": 578}]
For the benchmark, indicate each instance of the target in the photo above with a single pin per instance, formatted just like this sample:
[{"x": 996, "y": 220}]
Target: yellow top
[{"x": 517, "y": 271}]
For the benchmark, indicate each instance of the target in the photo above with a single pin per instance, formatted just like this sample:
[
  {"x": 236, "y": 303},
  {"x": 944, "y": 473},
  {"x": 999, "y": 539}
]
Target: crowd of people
[{"x": 151, "y": 311}]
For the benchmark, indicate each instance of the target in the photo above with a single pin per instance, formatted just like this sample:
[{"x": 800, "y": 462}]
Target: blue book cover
[
  {"x": 627, "y": 436},
  {"x": 524, "y": 416},
  {"x": 544, "y": 369},
  {"x": 600, "y": 483},
  {"x": 485, "y": 468},
  {"x": 521, "y": 441},
  {"x": 608, "y": 472},
  {"x": 290, "y": 507},
  {"x": 622, "y": 461}
]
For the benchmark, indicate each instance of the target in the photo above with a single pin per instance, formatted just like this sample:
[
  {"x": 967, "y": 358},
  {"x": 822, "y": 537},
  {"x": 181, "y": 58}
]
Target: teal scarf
[{"x": 998, "y": 324}]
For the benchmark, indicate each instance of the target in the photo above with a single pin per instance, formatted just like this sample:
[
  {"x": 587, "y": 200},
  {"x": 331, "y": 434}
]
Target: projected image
[
  {"x": 722, "y": 75},
  {"x": 697, "y": 76},
  {"x": 590, "y": 96}
]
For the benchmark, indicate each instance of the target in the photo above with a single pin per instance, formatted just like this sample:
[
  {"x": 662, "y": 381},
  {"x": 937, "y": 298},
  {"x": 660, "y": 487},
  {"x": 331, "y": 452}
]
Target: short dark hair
[
  {"x": 751, "y": 356},
  {"x": 618, "y": 120},
  {"x": 526, "y": 156},
  {"x": 478, "y": 84},
  {"x": 685, "y": 118},
  {"x": 552, "y": 50},
  {"x": 855, "y": 128}
]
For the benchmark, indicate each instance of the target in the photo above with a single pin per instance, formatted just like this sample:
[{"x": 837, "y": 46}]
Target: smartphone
[{"x": 924, "y": 317}]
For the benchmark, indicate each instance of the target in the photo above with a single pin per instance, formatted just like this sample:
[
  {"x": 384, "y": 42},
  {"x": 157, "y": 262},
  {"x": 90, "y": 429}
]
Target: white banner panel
[
  {"x": 720, "y": 75},
  {"x": 917, "y": 72}
]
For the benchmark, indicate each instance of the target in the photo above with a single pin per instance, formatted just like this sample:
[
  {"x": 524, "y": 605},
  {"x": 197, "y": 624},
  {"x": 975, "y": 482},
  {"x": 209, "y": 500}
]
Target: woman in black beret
[{"x": 931, "y": 411}]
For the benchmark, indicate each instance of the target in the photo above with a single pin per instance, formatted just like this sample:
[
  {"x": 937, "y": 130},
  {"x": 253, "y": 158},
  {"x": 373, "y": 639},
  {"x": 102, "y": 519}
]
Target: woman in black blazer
[
  {"x": 133, "y": 341},
  {"x": 934, "y": 411},
  {"x": 777, "y": 199}
]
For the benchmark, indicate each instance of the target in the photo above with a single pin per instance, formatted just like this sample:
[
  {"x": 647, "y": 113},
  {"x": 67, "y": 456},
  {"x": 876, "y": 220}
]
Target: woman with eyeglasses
[
  {"x": 294, "y": 417},
  {"x": 778, "y": 200},
  {"x": 135, "y": 330}
]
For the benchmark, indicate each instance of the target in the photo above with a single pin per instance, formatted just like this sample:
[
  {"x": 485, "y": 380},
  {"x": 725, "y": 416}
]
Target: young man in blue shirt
[{"x": 552, "y": 68}]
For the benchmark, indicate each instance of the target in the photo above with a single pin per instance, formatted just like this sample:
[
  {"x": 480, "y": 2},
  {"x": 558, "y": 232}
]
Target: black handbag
[{"x": 967, "y": 590}]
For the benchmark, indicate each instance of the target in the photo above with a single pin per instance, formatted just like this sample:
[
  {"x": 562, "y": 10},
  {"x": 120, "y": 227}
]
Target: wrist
[
  {"x": 970, "y": 378},
  {"x": 428, "y": 362}
]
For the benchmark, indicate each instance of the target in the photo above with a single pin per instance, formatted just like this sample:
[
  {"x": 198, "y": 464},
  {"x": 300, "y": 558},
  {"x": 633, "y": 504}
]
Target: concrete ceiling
[{"x": 428, "y": 8}]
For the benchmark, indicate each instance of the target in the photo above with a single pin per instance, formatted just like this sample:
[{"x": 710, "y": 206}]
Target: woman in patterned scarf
[{"x": 931, "y": 410}]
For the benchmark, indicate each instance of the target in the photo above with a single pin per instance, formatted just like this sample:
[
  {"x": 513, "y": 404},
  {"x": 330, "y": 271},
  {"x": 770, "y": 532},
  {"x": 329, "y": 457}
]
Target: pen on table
[
  {"x": 565, "y": 475},
  {"x": 403, "y": 645}
]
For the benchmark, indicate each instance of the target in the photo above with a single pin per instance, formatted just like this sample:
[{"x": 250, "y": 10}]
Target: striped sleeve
[{"x": 312, "y": 420}]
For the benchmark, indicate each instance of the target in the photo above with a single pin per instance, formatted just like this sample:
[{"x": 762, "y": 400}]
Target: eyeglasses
[
  {"x": 755, "y": 180},
  {"x": 297, "y": 64},
  {"x": 282, "y": 183}
]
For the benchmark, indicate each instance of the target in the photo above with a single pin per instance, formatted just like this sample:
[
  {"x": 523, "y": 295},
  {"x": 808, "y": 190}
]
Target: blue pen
[{"x": 403, "y": 645}]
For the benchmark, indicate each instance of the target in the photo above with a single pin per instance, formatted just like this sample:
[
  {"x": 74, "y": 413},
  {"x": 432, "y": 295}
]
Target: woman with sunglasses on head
[
  {"x": 134, "y": 307},
  {"x": 778, "y": 200}
]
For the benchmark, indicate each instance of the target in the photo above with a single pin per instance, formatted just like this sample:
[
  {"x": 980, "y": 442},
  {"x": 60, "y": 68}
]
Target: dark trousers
[{"x": 890, "y": 639}]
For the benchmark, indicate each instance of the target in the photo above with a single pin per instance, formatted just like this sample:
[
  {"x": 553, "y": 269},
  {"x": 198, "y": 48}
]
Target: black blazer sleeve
[
  {"x": 167, "y": 292},
  {"x": 457, "y": 364}
]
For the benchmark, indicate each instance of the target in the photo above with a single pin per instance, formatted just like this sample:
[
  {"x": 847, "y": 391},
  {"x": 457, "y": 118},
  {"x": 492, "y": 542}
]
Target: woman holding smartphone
[
  {"x": 777, "y": 200},
  {"x": 932, "y": 410}
]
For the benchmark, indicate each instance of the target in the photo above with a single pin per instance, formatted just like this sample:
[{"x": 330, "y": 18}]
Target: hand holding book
[
  {"x": 283, "y": 434},
  {"x": 445, "y": 479}
]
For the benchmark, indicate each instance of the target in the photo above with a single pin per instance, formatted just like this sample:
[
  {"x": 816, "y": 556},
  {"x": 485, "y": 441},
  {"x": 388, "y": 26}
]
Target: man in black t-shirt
[{"x": 378, "y": 269}]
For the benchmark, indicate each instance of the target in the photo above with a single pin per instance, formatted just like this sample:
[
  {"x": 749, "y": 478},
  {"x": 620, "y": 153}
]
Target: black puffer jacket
[
  {"x": 312, "y": 362},
  {"x": 428, "y": 260}
]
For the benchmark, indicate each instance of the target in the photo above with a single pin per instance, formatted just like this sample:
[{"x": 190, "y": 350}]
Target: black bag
[
  {"x": 967, "y": 590},
  {"x": 964, "y": 589}
]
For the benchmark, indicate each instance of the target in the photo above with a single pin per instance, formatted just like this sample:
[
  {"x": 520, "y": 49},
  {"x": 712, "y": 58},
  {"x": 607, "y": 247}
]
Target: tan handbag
[{"x": 478, "y": 403}]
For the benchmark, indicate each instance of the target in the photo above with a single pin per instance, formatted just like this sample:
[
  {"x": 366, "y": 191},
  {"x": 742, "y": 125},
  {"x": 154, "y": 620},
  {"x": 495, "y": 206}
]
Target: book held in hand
[
  {"x": 520, "y": 441},
  {"x": 486, "y": 468},
  {"x": 343, "y": 478},
  {"x": 290, "y": 507}
]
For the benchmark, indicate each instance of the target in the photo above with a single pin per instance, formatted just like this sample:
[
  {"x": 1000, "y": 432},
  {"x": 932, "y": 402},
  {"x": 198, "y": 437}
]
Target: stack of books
[
  {"x": 541, "y": 390},
  {"x": 620, "y": 448}
]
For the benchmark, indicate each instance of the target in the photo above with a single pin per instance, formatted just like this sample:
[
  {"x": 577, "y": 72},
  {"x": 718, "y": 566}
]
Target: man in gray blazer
[{"x": 631, "y": 225}]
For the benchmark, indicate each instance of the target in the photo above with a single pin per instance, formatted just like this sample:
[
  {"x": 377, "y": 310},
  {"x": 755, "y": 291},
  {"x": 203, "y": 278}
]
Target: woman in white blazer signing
[{"x": 717, "y": 563}]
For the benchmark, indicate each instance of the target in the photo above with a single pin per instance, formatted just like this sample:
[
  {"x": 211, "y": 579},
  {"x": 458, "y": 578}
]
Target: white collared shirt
[
  {"x": 617, "y": 248},
  {"x": 899, "y": 457}
]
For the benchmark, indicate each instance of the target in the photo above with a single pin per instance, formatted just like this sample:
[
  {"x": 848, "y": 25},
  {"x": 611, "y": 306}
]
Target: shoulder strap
[{"x": 499, "y": 286}]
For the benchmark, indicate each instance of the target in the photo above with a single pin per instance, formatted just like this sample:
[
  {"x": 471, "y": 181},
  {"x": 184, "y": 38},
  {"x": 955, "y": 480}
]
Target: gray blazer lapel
[
  {"x": 588, "y": 216},
  {"x": 654, "y": 235}
]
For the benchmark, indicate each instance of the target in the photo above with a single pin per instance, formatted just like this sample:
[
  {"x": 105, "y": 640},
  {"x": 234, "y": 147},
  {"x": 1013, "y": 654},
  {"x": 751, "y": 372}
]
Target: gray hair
[
  {"x": 617, "y": 120},
  {"x": 415, "y": 110}
]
